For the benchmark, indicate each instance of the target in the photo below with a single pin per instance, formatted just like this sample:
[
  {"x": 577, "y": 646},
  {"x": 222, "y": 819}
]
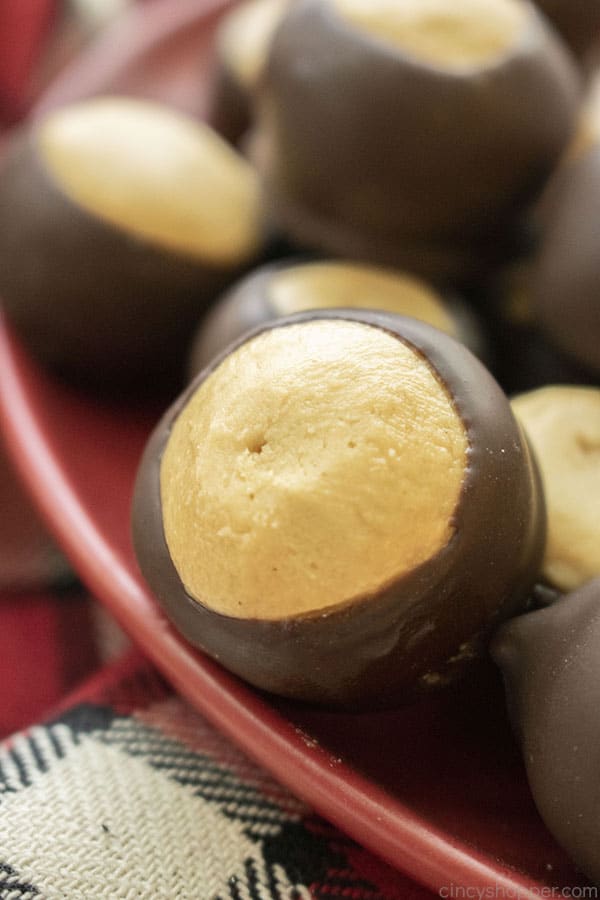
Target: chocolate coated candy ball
[
  {"x": 412, "y": 134},
  {"x": 119, "y": 219},
  {"x": 340, "y": 508}
]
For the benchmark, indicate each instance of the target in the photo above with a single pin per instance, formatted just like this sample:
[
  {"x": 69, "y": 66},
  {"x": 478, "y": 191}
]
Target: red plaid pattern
[{"x": 128, "y": 792}]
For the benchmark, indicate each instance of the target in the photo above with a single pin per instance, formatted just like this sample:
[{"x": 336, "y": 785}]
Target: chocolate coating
[
  {"x": 382, "y": 158},
  {"x": 524, "y": 358},
  {"x": 243, "y": 308},
  {"x": 551, "y": 665},
  {"x": 248, "y": 304},
  {"x": 578, "y": 21},
  {"x": 423, "y": 628},
  {"x": 244, "y": 31},
  {"x": 566, "y": 277},
  {"x": 230, "y": 104},
  {"x": 94, "y": 303}
]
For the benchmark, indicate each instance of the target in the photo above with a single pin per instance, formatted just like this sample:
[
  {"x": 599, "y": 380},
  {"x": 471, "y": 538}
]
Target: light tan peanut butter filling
[
  {"x": 338, "y": 284},
  {"x": 317, "y": 463},
  {"x": 450, "y": 33},
  {"x": 245, "y": 37},
  {"x": 155, "y": 174},
  {"x": 563, "y": 425}
]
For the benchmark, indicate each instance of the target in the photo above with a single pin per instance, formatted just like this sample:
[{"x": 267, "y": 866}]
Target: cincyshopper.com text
[{"x": 502, "y": 892}]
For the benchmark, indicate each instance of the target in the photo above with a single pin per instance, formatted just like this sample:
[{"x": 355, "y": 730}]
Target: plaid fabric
[{"x": 130, "y": 793}]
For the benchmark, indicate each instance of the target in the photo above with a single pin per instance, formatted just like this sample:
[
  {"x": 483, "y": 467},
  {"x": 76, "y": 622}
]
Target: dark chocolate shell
[{"x": 566, "y": 276}]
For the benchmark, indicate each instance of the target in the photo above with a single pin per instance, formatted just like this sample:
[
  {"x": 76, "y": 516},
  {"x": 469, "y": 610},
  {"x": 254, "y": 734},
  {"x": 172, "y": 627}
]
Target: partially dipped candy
[
  {"x": 340, "y": 508},
  {"x": 119, "y": 219},
  {"x": 412, "y": 134}
]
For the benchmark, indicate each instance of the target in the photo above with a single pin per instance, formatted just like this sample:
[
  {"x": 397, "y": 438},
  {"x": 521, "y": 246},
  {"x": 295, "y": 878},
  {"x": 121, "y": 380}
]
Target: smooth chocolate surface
[
  {"x": 566, "y": 277},
  {"x": 97, "y": 305},
  {"x": 242, "y": 309},
  {"x": 418, "y": 632},
  {"x": 551, "y": 665},
  {"x": 578, "y": 21},
  {"x": 384, "y": 158},
  {"x": 523, "y": 356},
  {"x": 230, "y": 105}
]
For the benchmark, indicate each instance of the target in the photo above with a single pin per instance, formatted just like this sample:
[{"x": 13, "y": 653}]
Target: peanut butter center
[
  {"x": 331, "y": 285},
  {"x": 453, "y": 33},
  {"x": 563, "y": 425},
  {"x": 155, "y": 174},
  {"x": 316, "y": 464}
]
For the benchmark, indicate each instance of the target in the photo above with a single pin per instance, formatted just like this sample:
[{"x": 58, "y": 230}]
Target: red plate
[{"x": 438, "y": 790}]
